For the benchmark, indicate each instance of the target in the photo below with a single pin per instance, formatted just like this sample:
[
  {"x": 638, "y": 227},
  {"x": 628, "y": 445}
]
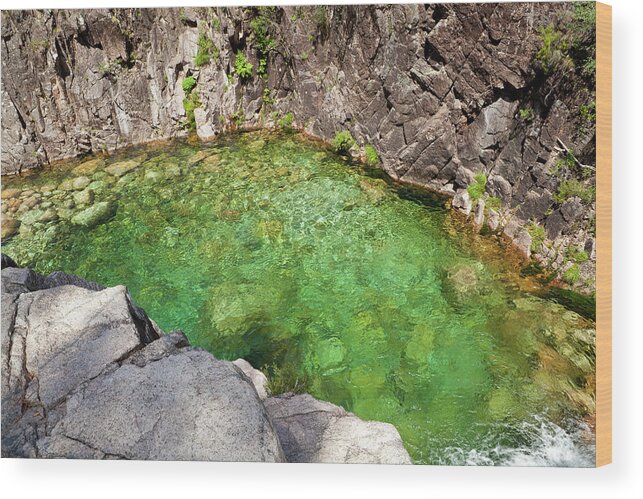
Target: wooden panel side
[{"x": 603, "y": 234}]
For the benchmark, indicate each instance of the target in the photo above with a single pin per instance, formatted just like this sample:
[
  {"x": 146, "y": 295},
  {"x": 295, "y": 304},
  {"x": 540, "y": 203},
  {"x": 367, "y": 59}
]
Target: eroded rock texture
[
  {"x": 441, "y": 91},
  {"x": 87, "y": 375}
]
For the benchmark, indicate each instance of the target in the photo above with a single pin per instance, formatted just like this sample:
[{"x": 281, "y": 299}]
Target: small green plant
[
  {"x": 570, "y": 188},
  {"x": 493, "y": 203},
  {"x": 262, "y": 70},
  {"x": 576, "y": 255},
  {"x": 320, "y": 16},
  {"x": 478, "y": 187},
  {"x": 552, "y": 55},
  {"x": 260, "y": 30},
  {"x": 588, "y": 113},
  {"x": 572, "y": 274},
  {"x": 537, "y": 234},
  {"x": 287, "y": 121},
  {"x": 283, "y": 380},
  {"x": 583, "y": 37},
  {"x": 526, "y": 114},
  {"x": 206, "y": 50},
  {"x": 343, "y": 141},
  {"x": 266, "y": 98},
  {"x": 37, "y": 45},
  {"x": 238, "y": 118},
  {"x": 110, "y": 68},
  {"x": 190, "y": 103},
  {"x": 242, "y": 68},
  {"x": 372, "y": 158},
  {"x": 188, "y": 84},
  {"x": 304, "y": 56}
]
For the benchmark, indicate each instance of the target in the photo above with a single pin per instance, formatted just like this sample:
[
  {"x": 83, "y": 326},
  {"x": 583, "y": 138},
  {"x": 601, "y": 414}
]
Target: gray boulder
[
  {"x": 462, "y": 202},
  {"x": 258, "y": 379},
  {"x": 186, "y": 406},
  {"x": 312, "y": 431}
]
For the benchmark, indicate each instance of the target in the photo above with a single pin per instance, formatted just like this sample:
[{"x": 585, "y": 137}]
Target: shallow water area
[{"x": 333, "y": 281}]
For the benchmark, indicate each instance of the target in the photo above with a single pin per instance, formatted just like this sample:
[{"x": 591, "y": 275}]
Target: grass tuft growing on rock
[
  {"x": 283, "y": 380},
  {"x": 576, "y": 255},
  {"x": 287, "y": 121},
  {"x": 572, "y": 274},
  {"x": 574, "y": 188},
  {"x": 372, "y": 158},
  {"x": 190, "y": 103},
  {"x": 343, "y": 142},
  {"x": 188, "y": 84},
  {"x": 242, "y": 68},
  {"x": 537, "y": 234},
  {"x": 477, "y": 188},
  {"x": 206, "y": 50}
]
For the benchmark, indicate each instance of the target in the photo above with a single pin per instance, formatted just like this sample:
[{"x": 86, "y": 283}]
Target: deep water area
[{"x": 333, "y": 281}]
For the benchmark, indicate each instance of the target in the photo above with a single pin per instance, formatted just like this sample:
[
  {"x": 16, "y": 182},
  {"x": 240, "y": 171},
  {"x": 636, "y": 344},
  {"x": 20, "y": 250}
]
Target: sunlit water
[{"x": 371, "y": 296}]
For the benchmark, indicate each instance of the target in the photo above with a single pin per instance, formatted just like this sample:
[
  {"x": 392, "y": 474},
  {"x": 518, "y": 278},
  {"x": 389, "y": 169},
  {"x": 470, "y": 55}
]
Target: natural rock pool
[{"x": 370, "y": 295}]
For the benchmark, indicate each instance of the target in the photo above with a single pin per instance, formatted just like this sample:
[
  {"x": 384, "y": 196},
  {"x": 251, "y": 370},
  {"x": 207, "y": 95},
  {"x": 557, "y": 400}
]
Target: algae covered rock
[
  {"x": 122, "y": 167},
  {"x": 95, "y": 215},
  {"x": 10, "y": 227},
  {"x": 80, "y": 183}
]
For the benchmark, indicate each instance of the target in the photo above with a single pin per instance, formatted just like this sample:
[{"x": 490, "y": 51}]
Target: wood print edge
[{"x": 603, "y": 234}]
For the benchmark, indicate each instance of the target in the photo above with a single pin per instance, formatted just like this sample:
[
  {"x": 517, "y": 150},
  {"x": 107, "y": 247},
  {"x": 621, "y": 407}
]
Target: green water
[{"x": 272, "y": 248}]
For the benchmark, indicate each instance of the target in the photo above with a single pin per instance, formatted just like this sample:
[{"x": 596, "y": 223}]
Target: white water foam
[{"x": 548, "y": 445}]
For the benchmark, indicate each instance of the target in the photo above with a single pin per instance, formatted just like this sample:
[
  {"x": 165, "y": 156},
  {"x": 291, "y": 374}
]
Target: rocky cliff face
[
  {"x": 87, "y": 375},
  {"x": 481, "y": 102}
]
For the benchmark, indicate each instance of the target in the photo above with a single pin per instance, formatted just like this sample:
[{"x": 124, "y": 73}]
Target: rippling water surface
[{"x": 371, "y": 296}]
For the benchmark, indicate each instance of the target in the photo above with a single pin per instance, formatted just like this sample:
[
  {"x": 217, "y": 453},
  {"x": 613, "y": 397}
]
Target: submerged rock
[
  {"x": 95, "y": 215},
  {"x": 49, "y": 215},
  {"x": 10, "y": 227},
  {"x": 89, "y": 167},
  {"x": 80, "y": 183},
  {"x": 122, "y": 167},
  {"x": 84, "y": 197}
]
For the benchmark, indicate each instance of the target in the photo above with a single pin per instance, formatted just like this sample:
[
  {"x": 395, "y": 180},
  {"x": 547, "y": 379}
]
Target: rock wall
[
  {"x": 442, "y": 92},
  {"x": 87, "y": 375}
]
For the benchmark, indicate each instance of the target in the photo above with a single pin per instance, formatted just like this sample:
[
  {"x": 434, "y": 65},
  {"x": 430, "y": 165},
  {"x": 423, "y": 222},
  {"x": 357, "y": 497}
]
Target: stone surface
[
  {"x": 478, "y": 215},
  {"x": 71, "y": 335},
  {"x": 462, "y": 202},
  {"x": 80, "y": 183},
  {"x": 257, "y": 378},
  {"x": 186, "y": 406},
  {"x": 312, "y": 431}
]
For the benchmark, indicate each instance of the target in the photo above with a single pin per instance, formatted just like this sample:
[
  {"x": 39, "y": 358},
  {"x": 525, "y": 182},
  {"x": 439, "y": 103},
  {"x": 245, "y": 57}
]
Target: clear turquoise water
[{"x": 334, "y": 282}]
